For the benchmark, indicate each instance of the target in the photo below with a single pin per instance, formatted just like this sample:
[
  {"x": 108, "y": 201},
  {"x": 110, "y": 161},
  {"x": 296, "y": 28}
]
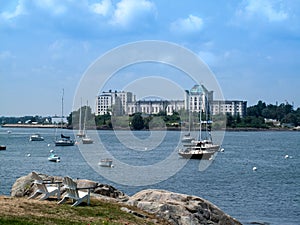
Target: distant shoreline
[
  {"x": 118, "y": 128},
  {"x": 31, "y": 126}
]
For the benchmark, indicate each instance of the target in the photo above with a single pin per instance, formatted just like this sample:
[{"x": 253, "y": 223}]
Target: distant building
[
  {"x": 155, "y": 106},
  {"x": 115, "y": 103},
  {"x": 195, "y": 100},
  {"x": 232, "y": 107}
]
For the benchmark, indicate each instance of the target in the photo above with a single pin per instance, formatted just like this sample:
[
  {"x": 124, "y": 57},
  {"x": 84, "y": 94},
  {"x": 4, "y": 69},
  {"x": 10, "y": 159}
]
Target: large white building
[
  {"x": 195, "y": 100},
  {"x": 115, "y": 103}
]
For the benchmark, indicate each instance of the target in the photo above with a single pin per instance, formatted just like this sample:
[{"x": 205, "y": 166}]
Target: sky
[{"x": 251, "y": 46}]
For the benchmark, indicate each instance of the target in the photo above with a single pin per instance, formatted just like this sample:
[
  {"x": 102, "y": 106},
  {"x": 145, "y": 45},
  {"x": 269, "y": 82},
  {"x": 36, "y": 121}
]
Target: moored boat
[
  {"x": 53, "y": 157},
  {"x": 2, "y": 147},
  {"x": 36, "y": 137},
  {"x": 106, "y": 162},
  {"x": 199, "y": 150}
]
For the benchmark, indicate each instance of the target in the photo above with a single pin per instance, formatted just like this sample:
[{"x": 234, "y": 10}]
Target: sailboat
[
  {"x": 187, "y": 138},
  {"x": 81, "y": 132},
  {"x": 201, "y": 148},
  {"x": 86, "y": 139},
  {"x": 63, "y": 140}
]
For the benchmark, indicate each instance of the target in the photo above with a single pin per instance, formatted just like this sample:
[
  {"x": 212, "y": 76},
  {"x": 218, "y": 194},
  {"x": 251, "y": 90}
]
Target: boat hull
[
  {"x": 2, "y": 147},
  {"x": 188, "y": 155},
  {"x": 64, "y": 143},
  {"x": 87, "y": 141}
]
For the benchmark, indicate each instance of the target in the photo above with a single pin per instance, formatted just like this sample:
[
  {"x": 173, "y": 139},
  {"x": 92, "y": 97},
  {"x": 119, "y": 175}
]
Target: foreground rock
[
  {"x": 24, "y": 187},
  {"x": 176, "y": 208},
  {"x": 179, "y": 208}
]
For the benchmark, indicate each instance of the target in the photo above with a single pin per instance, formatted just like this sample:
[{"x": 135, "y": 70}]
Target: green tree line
[{"x": 256, "y": 116}]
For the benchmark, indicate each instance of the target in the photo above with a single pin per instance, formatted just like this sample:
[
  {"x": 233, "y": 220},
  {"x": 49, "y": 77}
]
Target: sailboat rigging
[
  {"x": 201, "y": 148},
  {"x": 63, "y": 140},
  {"x": 86, "y": 139},
  {"x": 81, "y": 132}
]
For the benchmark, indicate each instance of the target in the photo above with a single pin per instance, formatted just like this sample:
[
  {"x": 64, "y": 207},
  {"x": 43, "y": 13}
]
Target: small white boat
[
  {"x": 105, "y": 162},
  {"x": 187, "y": 138},
  {"x": 36, "y": 137},
  {"x": 87, "y": 140},
  {"x": 53, "y": 157}
]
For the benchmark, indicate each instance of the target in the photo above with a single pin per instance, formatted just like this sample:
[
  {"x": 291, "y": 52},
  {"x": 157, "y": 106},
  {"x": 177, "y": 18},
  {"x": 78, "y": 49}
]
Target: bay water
[{"x": 269, "y": 195}]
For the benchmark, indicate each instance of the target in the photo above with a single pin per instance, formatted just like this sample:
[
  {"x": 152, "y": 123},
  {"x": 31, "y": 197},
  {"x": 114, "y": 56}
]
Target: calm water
[{"x": 270, "y": 195}]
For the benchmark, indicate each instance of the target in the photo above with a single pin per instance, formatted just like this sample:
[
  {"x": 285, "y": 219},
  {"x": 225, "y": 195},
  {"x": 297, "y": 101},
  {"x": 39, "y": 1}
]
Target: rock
[
  {"x": 180, "y": 209},
  {"x": 24, "y": 186}
]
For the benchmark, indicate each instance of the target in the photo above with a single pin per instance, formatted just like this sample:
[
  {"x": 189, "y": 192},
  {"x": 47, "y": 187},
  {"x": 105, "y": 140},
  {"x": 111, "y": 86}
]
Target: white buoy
[
  {"x": 51, "y": 150},
  {"x": 286, "y": 156},
  {"x": 28, "y": 155},
  {"x": 48, "y": 145},
  {"x": 254, "y": 168},
  {"x": 222, "y": 150}
]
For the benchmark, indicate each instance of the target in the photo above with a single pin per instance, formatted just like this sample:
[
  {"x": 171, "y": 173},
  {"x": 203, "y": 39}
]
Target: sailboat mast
[
  {"x": 62, "y": 108},
  {"x": 80, "y": 126},
  {"x": 200, "y": 118},
  {"x": 85, "y": 115}
]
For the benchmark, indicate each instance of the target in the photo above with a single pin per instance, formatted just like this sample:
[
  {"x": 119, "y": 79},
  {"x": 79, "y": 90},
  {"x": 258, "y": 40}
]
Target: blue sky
[{"x": 252, "y": 46}]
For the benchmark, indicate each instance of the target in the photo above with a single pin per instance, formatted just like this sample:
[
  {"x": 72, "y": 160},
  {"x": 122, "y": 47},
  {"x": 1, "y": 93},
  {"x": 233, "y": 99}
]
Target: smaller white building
[{"x": 232, "y": 107}]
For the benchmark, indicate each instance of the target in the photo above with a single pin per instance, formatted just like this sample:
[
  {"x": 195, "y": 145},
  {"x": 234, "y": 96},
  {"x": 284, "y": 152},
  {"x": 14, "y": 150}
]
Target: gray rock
[
  {"x": 24, "y": 187},
  {"x": 180, "y": 209}
]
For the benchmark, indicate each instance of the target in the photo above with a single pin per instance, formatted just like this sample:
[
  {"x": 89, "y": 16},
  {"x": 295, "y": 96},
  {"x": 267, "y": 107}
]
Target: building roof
[{"x": 198, "y": 89}]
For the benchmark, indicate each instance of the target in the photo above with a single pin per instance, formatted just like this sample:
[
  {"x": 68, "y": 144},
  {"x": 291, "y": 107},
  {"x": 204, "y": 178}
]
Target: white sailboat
[
  {"x": 201, "y": 148},
  {"x": 81, "y": 132},
  {"x": 187, "y": 138},
  {"x": 86, "y": 139},
  {"x": 63, "y": 140}
]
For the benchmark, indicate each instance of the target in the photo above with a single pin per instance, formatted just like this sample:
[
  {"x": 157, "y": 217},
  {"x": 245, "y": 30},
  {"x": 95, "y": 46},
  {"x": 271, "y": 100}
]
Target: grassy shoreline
[{"x": 32, "y": 212}]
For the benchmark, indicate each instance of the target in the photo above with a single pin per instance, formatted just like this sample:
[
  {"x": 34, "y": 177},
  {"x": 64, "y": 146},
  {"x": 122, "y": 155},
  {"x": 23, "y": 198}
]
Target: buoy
[
  {"x": 146, "y": 148},
  {"x": 51, "y": 150},
  {"x": 254, "y": 168},
  {"x": 222, "y": 150},
  {"x": 286, "y": 156},
  {"x": 28, "y": 155},
  {"x": 48, "y": 145}
]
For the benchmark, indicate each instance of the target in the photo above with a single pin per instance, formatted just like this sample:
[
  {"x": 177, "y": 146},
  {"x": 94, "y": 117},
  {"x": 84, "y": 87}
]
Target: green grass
[{"x": 34, "y": 212}]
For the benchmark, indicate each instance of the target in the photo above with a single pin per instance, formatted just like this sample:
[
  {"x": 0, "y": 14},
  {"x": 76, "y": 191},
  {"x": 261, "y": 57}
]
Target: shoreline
[{"x": 168, "y": 128}]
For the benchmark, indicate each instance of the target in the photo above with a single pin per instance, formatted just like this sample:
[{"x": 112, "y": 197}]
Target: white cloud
[
  {"x": 129, "y": 12},
  {"x": 190, "y": 24},
  {"x": 269, "y": 9},
  {"x": 103, "y": 8},
  {"x": 19, "y": 10}
]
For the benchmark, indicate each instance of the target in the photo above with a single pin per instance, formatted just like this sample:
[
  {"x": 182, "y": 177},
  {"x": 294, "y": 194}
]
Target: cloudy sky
[{"x": 251, "y": 46}]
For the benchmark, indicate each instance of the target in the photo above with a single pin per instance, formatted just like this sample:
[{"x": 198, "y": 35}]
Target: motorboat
[
  {"x": 106, "y": 162},
  {"x": 36, "y": 137},
  {"x": 53, "y": 157},
  {"x": 2, "y": 147}
]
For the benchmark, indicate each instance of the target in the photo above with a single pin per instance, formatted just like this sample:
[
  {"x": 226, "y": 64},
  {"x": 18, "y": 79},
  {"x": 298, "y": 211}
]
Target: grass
[{"x": 33, "y": 212}]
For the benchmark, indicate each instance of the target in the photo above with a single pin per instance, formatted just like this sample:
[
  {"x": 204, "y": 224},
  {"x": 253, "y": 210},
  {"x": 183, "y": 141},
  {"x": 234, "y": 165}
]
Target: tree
[{"x": 137, "y": 122}]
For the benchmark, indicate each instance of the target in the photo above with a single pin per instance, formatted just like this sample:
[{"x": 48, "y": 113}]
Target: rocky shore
[{"x": 179, "y": 209}]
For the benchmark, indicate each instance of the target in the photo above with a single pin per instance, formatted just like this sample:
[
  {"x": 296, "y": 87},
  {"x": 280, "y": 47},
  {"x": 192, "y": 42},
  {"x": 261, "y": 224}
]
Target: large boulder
[
  {"x": 24, "y": 186},
  {"x": 180, "y": 209}
]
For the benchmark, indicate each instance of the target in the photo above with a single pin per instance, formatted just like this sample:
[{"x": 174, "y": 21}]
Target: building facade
[
  {"x": 233, "y": 108},
  {"x": 115, "y": 103},
  {"x": 195, "y": 100}
]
